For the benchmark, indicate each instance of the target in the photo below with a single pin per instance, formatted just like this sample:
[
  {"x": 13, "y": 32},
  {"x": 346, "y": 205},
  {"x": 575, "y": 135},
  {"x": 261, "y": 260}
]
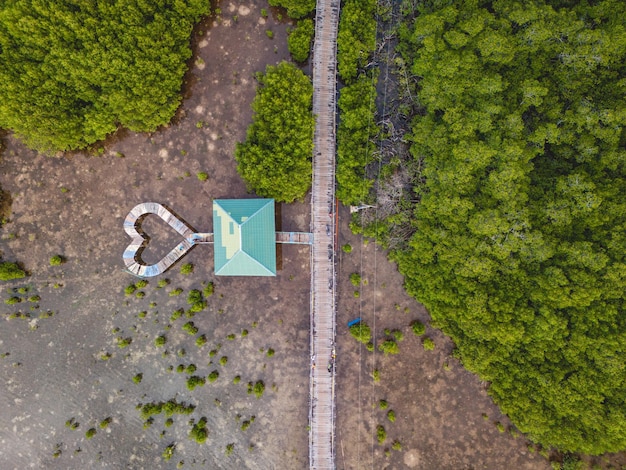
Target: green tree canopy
[
  {"x": 519, "y": 252},
  {"x": 275, "y": 159},
  {"x": 295, "y": 8},
  {"x": 72, "y": 71}
]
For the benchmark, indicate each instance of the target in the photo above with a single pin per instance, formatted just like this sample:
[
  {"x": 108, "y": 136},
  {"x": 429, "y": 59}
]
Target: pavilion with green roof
[{"x": 244, "y": 237}]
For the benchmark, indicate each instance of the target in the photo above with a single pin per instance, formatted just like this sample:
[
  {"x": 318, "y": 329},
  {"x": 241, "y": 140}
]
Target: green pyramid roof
[{"x": 244, "y": 237}]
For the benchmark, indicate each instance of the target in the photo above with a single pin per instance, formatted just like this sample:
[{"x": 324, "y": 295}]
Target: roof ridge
[{"x": 257, "y": 211}]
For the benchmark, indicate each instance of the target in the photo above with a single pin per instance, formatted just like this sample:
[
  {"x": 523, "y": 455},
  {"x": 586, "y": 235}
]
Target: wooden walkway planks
[{"x": 322, "y": 390}]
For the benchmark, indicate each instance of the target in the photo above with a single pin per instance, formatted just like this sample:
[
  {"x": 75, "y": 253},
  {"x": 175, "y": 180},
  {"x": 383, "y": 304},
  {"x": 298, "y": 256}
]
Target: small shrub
[
  {"x": 418, "y": 328},
  {"x": 186, "y": 269},
  {"x": 176, "y": 314},
  {"x": 195, "y": 381},
  {"x": 10, "y": 271},
  {"x": 213, "y": 376},
  {"x": 90, "y": 433},
  {"x": 190, "y": 328},
  {"x": 355, "y": 279},
  {"x": 347, "y": 248},
  {"x": 223, "y": 360},
  {"x": 141, "y": 284},
  {"x": 162, "y": 283},
  {"x": 244, "y": 333},
  {"x": 105, "y": 423},
  {"x": 105, "y": 356},
  {"x": 376, "y": 375},
  {"x": 140, "y": 295},
  {"x": 396, "y": 445},
  {"x": 208, "y": 289},
  {"x": 500, "y": 426},
  {"x": 123, "y": 342},
  {"x": 201, "y": 341},
  {"x": 199, "y": 432},
  {"x": 231, "y": 337},
  {"x": 258, "y": 389},
  {"x": 142, "y": 314},
  {"x": 169, "y": 422},
  {"x": 160, "y": 341},
  {"x": 180, "y": 368},
  {"x": 22, "y": 290},
  {"x": 383, "y": 404},
  {"x": 370, "y": 346},
  {"x": 397, "y": 334},
  {"x": 168, "y": 452},
  {"x": 191, "y": 368},
  {"x": 381, "y": 434},
  {"x": 229, "y": 449},
  {"x": 202, "y": 176},
  {"x": 212, "y": 352},
  {"x": 357, "y": 294},
  {"x": 389, "y": 347},
  {"x": 245, "y": 425},
  {"x": 137, "y": 378},
  {"x": 391, "y": 416},
  {"x": 428, "y": 344},
  {"x": 237, "y": 379},
  {"x": 270, "y": 352},
  {"x": 263, "y": 12},
  {"x": 176, "y": 292},
  {"x": 269, "y": 33},
  {"x": 361, "y": 332},
  {"x": 34, "y": 298},
  {"x": 13, "y": 301},
  {"x": 56, "y": 260}
]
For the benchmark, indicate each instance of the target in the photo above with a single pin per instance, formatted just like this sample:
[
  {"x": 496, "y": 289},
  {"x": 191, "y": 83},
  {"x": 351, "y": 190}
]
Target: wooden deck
[
  {"x": 132, "y": 226},
  {"x": 322, "y": 383},
  {"x": 294, "y": 238}
]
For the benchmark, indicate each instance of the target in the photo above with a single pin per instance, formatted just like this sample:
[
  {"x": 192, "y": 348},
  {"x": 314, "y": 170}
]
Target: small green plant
[
  {"x": 208, "y": 289},
  {"x": 231, "y": 337},
  {"x": 229, "y": 449},
  {"x": 191, "y": 368},
  {"x": 180, "y": 368},
  {"x": 383, "y": 405},
  {"x": 90, "y": 433},
  {"x": 245, "y": 425},
  {"x": 355, "y": 279},
  {"x": 258, "y": 388},
  {"x": 263, "y": 12},
  {"x": 13, "y": 301},
  {"x": 142, "y": 314},
  {"x": 34, "y": 298},
  {"x": 105, "y": 422},
  {"x": 396, "y": 445},
  {"x": 389, "y": 347},
  {"x": 176, "y": 314},
  {"x": 201, "y": 341},
  {"x": 213, "y": 376},
  {"x": 195, "y": 381},
  {"x": 137, "y": 378},
  {"x": 56, "y": 260},
  {"x": 391, "y": 416},
  {"x": 223, "y": 360},
  {"x": 270, "y": 352},
  {"x": 106, "y": 356},
  {"x": 212, "y": 352},
  {"x": 347, "y": 248},
  {"x": 376, "y": 375},
  {"x": 160, "y": 341},
  {"x": 370, "y": 346},
  {"x": 169, "y": 422},
  {"x": 428, "y": 344},
  {"x": 237, "y": 379},
  {"x": 190, "y": 328},
  {"x": 357, "y": 294},
  {"x": 418, "y": 328},
  {"x": 141, "y": 284},
  {"x": 381, "y": 434},
  {"x": 244, "y": 333},
  {"x": 140, "y": 294},
  {"x": 269, "y": 33},
  {"x": 123, "y": 342},
  {"x": 361, "y": 332},
  {"x": 168, "y": 452},
  {"x": 186, "y": 269},
  {"x": 199, "y": 432},
  {"x": 162, "y": 283},
  {"x": 397, "y": 334},
  {"x": 500, "y": 426},
  {"x": 176, "y": 292},
  {"x": 202, "y": 176}
]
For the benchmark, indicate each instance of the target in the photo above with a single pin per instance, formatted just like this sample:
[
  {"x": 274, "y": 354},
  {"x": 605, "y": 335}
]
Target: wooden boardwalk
[{"x": 322, "y": 383}]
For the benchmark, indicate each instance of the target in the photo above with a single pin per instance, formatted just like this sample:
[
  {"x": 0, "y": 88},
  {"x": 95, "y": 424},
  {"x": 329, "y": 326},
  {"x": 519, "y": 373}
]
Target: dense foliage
[
  {"x": 10, "y": 271},
  {"x": 521, "y": 230},
  {"x": 275, "y": 159},
  {"x": 299, "y": 40},
  {"x": 356, "y": 38},
  {"x": 356, "y": 41},
  {"x": 295, "y": 8},
  {"x": 72, "y": 71}
]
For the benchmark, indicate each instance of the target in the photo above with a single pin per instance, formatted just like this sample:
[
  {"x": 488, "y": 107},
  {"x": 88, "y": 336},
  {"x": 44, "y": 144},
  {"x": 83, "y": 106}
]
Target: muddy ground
[{"x": 69, "y": 367}]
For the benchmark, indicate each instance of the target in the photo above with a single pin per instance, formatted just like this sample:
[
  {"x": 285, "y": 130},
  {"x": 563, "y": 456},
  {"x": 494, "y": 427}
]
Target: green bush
[
  {"x": 199, "y": 431},
  {"x": 137, "y": 378},
  {"x": 105, "y": 423},
  {"x": 295, "y": 8},
  {"x": 383, "y": 405},
  {"x": 396, "y": 445},
  {"x": 56, "y": 260},
  {"x": 391, "y": 416},
  {"x": 270, "y": 352},
  {"x": 245, "y": 425},
  {"x": 90, "y": 433},
  {"x": 176, "y": 292},
  {"x": 229, "y": 449},
  {"x": 275, "y": 159},
  {"x": 389, "y": 346},
  {"x": 202, "y": 176},
  {"x": 123, "y": 342},
  {"x": 397, "y": 334},
  {"x": 195, "y": 381},
  {"x": 236, "y": 379},
  {"x": 141, "y": 284},
  {"x": 208, "y": 289},
  {"x": 355, "y": 279},
  {"x": 428, "y": 344},
  {"x": 201, "y": 340},
  {"x": 168, "y": 452},
  {"x": 180, "y": 368},
  {"x": 190, "y": 328},
  {"x": 160, "y": 341},
  {"x": 381, "y": 434},
  {"x": 361, "y": 332},
  {"x": 162, "y": 283},
  {"x": 186, "y": 268},
  {"x": 10, "y": 271},
  {"x": 299, "y": 40},
  {"x": 13, "y": 300},
  {"x": 176, "y": 314},
  {"x": 418, "y": 328},
  {"x": 213, "y": 376},
  {"x": 223, "y": 360}
]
